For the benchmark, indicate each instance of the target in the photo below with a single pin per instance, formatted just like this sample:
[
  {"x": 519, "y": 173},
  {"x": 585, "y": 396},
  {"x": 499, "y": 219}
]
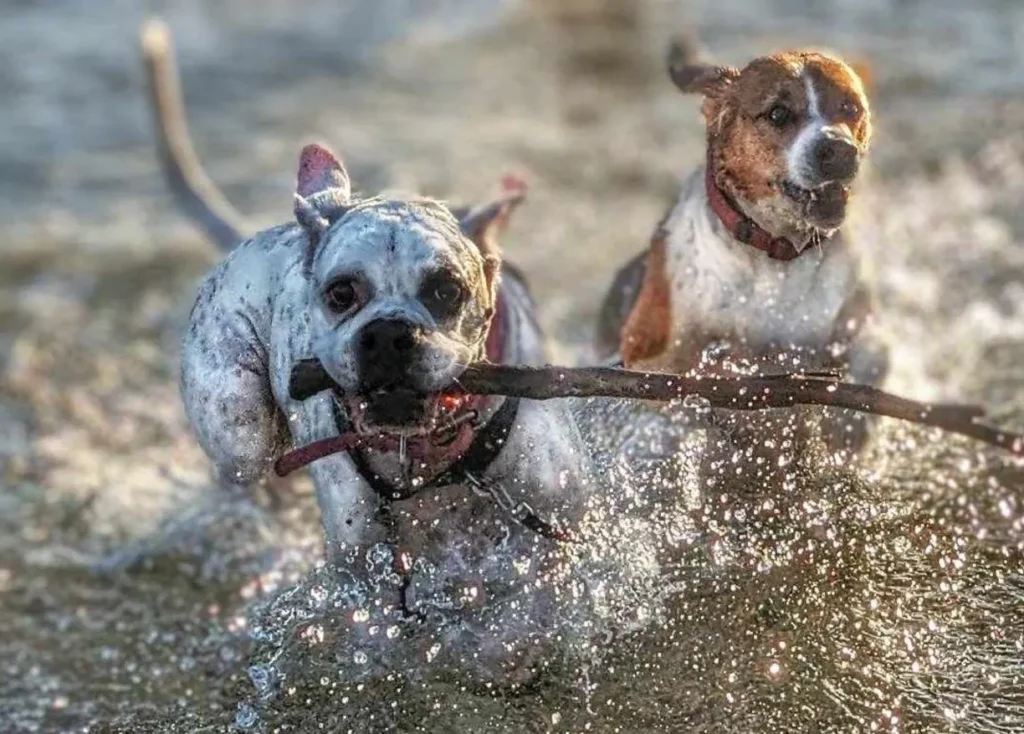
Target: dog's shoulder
[
  {"x": 641, "y": 274},
  {"x": 261, "y": 262},
  {"x": 225, "y": 367},
  {"x": 617, "y": 305}
]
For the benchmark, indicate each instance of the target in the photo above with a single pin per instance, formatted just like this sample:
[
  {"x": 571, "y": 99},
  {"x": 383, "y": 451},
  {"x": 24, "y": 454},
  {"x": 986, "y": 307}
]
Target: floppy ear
[
  {"x": 322, "y": 192},
  {"x": 692, "y": 75},
  {"x": 483, "y": 223}
]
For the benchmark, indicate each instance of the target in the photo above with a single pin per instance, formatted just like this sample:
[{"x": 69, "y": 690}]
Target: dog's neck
[
  {"x": 743, "y": 228},
  {"x": 398, "y": 469}
]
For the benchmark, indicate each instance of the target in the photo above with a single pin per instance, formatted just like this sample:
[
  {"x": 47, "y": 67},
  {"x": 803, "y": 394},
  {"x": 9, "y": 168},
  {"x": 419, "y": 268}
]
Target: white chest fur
[{"x": 722, "y": 289}]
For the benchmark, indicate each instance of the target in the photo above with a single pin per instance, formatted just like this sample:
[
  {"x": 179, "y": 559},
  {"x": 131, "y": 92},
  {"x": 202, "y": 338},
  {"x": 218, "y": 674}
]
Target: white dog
[{"x": 395, "y": 300}]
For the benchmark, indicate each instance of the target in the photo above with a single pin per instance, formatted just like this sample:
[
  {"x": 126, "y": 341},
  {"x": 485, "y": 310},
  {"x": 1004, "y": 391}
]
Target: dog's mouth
[
  {"x": 399, "y": 411},
  {"x": 824, "y": 206}
]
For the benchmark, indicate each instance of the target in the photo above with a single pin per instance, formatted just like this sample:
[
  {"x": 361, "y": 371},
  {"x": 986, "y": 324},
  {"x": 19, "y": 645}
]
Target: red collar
[
  {"x": 495, "y": 346},
  {"x": 742, "y": 227},
  {"x": 428, "y": 450}
]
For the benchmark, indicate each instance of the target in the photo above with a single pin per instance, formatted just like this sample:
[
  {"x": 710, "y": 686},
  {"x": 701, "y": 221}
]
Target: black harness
[{"x": 470, "y": 469}]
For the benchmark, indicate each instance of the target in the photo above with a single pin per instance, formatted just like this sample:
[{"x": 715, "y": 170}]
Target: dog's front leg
[{"x": 349, "y": 509}]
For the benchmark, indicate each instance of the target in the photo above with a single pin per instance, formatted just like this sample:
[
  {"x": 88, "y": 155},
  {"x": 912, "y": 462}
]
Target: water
[{"x": 887, "y": 599}]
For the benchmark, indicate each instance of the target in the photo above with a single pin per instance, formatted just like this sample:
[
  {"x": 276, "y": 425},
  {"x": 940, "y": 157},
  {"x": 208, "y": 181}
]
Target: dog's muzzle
[
  {"x": 389, "y": 361},
  {"x": 835, "y": 158},
  {"x": 387, "y": 350},
  {"x": 833, "y": 162}
]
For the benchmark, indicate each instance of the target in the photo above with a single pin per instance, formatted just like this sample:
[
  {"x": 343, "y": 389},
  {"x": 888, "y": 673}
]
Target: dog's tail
[{"x": 192, "y": 188}]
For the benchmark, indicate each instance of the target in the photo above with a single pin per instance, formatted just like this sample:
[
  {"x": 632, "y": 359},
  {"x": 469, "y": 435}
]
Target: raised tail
[{"x": 192, "y": 188}]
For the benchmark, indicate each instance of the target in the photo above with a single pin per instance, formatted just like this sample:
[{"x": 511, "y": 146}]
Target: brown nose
[{"x": 836, "y": 158}]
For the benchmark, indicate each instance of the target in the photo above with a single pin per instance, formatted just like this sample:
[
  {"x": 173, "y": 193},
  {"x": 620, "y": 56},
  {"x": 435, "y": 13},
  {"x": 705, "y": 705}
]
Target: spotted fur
[{"x": 262, "y": 309}]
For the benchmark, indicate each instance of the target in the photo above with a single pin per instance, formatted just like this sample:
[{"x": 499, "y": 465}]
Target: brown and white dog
[{"x": 751, "y": 264}]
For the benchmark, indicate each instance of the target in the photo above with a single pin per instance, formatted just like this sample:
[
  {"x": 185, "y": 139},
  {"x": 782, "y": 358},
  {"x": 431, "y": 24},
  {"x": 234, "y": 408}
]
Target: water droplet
[
  {"x": 263, "y": 678},
  {"x": 318, "y": 594},
  {"x": 246, "y": 716},
  {"x": 696, "y": 402},
  {"x": 714, "y": 352}
]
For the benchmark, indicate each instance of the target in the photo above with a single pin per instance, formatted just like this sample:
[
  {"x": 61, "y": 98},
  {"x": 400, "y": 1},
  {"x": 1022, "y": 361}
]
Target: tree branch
[{"x": 741, "y": 393}]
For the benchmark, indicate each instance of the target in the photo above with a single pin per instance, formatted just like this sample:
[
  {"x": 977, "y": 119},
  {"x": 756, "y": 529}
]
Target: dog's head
[
  {"x": 402, "y": 293},
  {"x": 786, "y": 135}
]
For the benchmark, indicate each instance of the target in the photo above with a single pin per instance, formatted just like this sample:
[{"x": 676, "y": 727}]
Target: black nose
[
  {"x": 386, "y": 351},
  {"x": 837, "y": 158},
  {"x": 386, "y": 339}
]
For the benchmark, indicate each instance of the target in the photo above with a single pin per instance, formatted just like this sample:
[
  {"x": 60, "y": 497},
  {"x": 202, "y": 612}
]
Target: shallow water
[{"x": 888, "y": 599}]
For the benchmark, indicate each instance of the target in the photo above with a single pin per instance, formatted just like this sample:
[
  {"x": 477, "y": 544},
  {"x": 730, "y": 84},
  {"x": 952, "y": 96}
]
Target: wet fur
[
  {"x": 721, "y": 289},
  {"x": 811, "y": 313}
]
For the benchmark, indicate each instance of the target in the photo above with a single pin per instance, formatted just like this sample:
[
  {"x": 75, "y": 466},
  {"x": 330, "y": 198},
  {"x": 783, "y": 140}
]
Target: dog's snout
[
  {"x": 387, "y": 352},
  {"x": 384, "y": 340},
  {"x": 836, "y": 158}
]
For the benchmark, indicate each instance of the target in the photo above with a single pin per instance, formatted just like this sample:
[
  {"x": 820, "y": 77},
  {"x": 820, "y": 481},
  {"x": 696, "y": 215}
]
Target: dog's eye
[
  {"x": 443, "y": 294},
  {"x": 340, "y": 296},
  {"x": 850, "y": 109},
  {"x": 448, "y": 292},
  {"x": 779, "y": 115}
]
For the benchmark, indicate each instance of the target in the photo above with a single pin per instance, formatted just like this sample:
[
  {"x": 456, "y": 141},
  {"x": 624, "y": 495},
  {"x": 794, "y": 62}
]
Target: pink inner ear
[
  {"x": 511, "y": 184},
  {"x": 319, "y": 169}
]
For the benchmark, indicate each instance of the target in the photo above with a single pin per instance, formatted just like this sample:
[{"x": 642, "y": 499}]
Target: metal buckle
[
  {"x": 446, "y": 434},
  {"x": 520, "y": 512},
  {"x": 744, "y": 231}
]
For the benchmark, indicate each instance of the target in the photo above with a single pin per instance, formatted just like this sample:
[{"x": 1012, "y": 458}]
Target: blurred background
[{"x": 98, "y": 267}]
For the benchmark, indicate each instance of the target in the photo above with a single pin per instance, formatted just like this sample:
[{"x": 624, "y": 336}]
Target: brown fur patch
[
  {"x": 841, "y": 95},
  {"x": 645, "y": 333},
  {"x": 749, "y": 152},
  {"x": 863, "y": 69}
]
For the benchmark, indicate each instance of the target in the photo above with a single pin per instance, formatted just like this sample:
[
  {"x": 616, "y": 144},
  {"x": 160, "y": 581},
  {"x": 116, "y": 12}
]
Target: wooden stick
[{"x": 741, "y": 393}]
